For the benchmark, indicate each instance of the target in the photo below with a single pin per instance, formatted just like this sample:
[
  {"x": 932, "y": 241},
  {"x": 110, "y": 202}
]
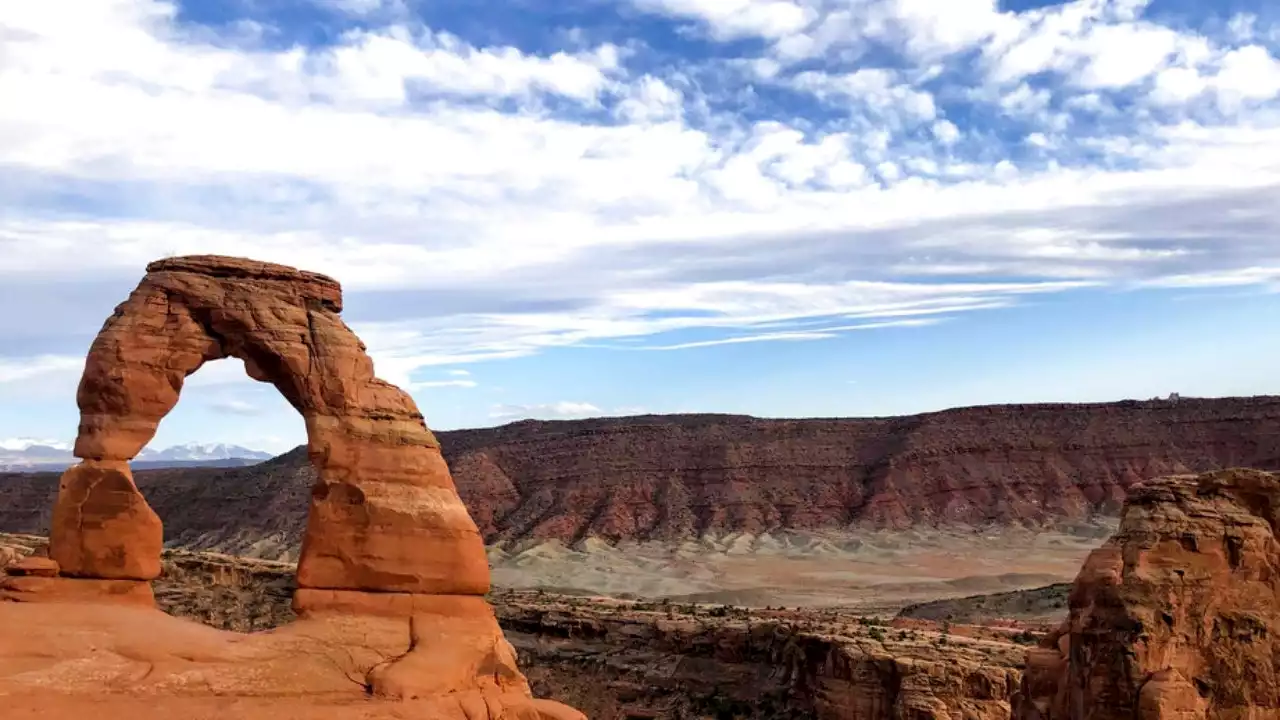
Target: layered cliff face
[
  {"x": 669, "y": 477},
  {"x": 1177, "y": 615}
]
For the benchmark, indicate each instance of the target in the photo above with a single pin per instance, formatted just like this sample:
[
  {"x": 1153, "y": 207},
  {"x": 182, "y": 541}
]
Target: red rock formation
[
  {"x": 1177, "y": 616},
  {"x": 676, "y": 476},
  {"x": 386, "y": 537},
  {"x": 384, "y": 513}
]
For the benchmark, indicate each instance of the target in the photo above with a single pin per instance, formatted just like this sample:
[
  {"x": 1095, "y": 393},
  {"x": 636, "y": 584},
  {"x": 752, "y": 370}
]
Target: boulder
[{"x": 1177, "y": 616}]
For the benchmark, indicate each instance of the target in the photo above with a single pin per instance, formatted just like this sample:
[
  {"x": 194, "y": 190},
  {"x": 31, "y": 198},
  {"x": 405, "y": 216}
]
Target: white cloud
[
  {"x": 14, "y": 370},
  {"x": 729, "y": 19},
  {"x": 232, "y": 406},
  {"x": 12, "y": 444},
  {"x": 362, "y": 8},
  {"x": 1248, "y": 74},
  {"x": 424, "y": 384},
  {"x": 405, "y": 159},
  {"x": 932, "y": 28},
  {"x": 795, "y": 335},
  {"x": 458, "y": 372},
  {"x": 1227, "y": 278},
  {"x": 562, "y": 410},
  {"x": 946, "y": 132},
  {"x": 877, "y": 88},
  {"x": 651, "y": 100},
  {"x": 1120, "y": 55}
]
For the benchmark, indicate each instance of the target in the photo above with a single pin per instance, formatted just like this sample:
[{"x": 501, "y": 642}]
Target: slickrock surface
[
  {"x": 672, "y": 478},
  {"x": 1178, "y": 615},
  {"x": 392, "y": 571},
  {"x": 72, "y": 660},
  {"x": 621, "y": 660}
]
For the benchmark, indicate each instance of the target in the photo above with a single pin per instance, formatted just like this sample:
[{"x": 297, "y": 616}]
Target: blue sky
[{"x": 574, "y": 208}]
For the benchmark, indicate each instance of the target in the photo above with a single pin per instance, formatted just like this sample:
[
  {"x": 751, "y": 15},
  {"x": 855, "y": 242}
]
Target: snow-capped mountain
[
  {"x": 200, "y": 452},
  {"x": 31, "y": 455}
]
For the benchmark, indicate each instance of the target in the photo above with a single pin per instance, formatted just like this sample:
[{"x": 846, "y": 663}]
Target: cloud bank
[{"x": 671, "y": 174}]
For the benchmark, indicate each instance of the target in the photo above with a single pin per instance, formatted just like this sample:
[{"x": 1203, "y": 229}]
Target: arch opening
[{"x": 222, "y": 411}]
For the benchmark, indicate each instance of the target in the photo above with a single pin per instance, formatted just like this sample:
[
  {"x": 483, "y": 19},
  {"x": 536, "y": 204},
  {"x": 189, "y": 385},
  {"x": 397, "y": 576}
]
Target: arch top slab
[
  {"x": 308, "y": 285},
  {"x": 384, "y": 515}
]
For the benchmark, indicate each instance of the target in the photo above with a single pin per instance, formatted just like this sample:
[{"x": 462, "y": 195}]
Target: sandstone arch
[{"x": 384, "y": 515}]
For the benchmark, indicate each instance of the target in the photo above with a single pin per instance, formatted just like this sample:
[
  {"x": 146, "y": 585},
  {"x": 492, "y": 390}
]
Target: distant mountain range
[{"x": 31, "y": 455}]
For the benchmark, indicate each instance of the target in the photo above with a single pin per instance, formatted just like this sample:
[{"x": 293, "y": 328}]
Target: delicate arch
[{"x": 384, "y": 513}]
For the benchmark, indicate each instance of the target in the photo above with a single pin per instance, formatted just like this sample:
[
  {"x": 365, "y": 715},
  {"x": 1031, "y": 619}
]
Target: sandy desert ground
[{"x": 868, "y": 571}]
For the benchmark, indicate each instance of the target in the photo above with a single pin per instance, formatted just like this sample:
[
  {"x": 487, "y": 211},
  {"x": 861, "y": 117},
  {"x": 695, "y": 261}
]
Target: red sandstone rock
[
  {"x": 63, "y": 662},
  {"x": 389, "y": 551},
  {"x": 38, "y": 589},
  {"x": 384, "y": 513},
  {"x": 102, "y": 526},
  {"x": 33, "y": 567},
  {"x": 1177, "y": 616}
]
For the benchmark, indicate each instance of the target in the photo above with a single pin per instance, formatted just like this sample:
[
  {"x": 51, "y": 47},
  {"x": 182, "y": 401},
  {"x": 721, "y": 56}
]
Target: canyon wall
[{"x": 668, "y": 477}]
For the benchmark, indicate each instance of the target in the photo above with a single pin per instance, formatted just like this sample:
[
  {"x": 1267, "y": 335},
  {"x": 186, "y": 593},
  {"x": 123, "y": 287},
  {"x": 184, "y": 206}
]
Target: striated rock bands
[
  {"x": 673, "y": 477},
  {"x": 681, "y": 476},
  {"x": 1177, "y": 616}
]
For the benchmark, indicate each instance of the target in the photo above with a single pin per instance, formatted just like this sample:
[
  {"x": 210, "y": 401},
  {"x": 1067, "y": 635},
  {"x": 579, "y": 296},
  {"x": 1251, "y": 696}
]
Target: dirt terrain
[{"x": 1046, "y": 606}]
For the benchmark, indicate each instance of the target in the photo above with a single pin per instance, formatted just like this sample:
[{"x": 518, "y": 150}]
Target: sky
[{"x": 570, "y": 208}]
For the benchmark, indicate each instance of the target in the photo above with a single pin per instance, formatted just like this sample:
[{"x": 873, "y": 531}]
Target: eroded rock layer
[
  {"x": 384, "y": 514},
  {"x": 674, "y": 477},
  {"x": 1177, "y": 615}
]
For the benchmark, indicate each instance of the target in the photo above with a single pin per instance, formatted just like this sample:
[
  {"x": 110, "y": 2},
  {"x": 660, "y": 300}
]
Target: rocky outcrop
[
  {"x": 675, "y": 476},
  {"x": 389, "y": 550},
  {"x": 1177, "y": 615},
  {"x": 384, "y": 514},
  {"x": 684, "y": 663},
  {"x": 681, "y": 476}
]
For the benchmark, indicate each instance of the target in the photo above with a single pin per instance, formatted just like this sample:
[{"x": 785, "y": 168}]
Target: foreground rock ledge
[
  {"x": 392, "y": 571},
  {"x": 74, "y": 660},
  {"x": 1177, "y": 616}
]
